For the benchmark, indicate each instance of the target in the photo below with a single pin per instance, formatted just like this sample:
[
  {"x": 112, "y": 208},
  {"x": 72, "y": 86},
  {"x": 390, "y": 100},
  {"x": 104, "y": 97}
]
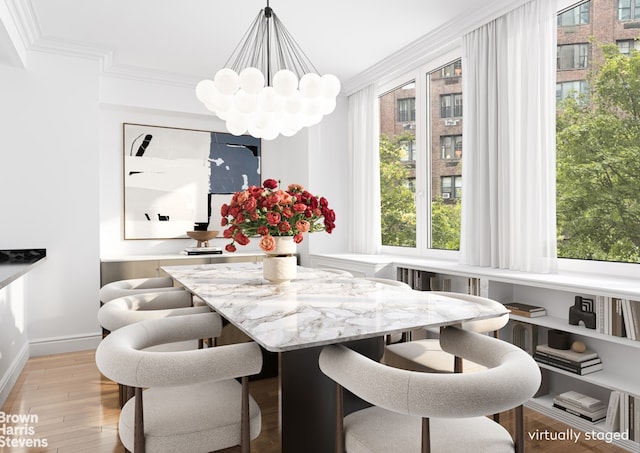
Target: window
[
  {"x": 573, "y": 56},
  {"x": 452, "y": 70},
  {"x": 628, "y": 9},
  {"x": 625, "y": 46},
  {"x": 397, "y": 166},
  {"x": 451, "y": 187},
  {"x": 598, "y": 171},
  {"x": 451, "y": 146},
  {"x": 578, "y": 15},
  {"x": 408, "y": 148},
  {"x": 576, "y": 89},
  {"x": 451, "y": 105},
  {"x": 407, "y": 109}
]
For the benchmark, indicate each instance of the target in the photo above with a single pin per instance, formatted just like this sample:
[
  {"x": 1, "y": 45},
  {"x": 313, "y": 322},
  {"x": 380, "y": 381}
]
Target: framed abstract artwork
[{"x": 175, "y": 179}]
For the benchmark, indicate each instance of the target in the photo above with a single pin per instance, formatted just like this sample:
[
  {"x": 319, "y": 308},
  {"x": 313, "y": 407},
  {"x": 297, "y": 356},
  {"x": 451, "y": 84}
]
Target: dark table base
[{"x": 308, "y": 398}]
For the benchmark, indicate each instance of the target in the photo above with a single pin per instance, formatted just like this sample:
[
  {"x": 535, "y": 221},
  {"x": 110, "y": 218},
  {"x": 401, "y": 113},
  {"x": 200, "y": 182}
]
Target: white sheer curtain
[
  {"x": 508, "y": 209},
  {"x": 364, "y": 184}
]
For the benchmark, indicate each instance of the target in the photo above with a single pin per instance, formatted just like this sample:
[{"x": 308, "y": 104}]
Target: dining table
[{"x": 318, "y": 307}]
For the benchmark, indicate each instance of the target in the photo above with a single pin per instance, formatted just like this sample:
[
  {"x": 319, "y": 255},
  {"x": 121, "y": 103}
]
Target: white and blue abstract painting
[{"x": 173, "y": 176}]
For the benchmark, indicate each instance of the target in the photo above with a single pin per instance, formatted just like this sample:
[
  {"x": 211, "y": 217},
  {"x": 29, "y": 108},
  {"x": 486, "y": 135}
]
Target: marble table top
[{"x": 319, "y": 307}]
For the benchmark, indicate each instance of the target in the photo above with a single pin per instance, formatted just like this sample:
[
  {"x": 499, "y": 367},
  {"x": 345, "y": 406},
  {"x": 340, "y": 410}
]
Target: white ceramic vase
[{"x": 279, "y": 265}]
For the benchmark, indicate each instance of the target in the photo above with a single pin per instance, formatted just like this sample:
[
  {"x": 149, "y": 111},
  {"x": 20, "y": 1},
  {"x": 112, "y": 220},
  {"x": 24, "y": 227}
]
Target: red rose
[
  {"x": 273, "y": 218},
  {"x": 230, "y": 248},
  {"x": 284, "y": 227},
  {"x": 299, "y": 207},
  {"x": 224, "y": 210},
  {"x": 298, "y": 238},
  {"x": 228, "y": 233},
  {"x": 270, "y": 184},
  {"x": 287, "y": 212},
  {"x": 267, "y": 243},
  {"x": 323, "y": 202},
  {"x": 302, "y": 226},
  {"x": 250, "y": 204},
  {"x": 224, "y": 221},
  {"x": 262, "y": 230}
]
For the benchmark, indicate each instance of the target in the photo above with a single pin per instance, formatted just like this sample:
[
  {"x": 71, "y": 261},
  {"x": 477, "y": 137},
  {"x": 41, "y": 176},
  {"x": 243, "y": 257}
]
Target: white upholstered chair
[
  {"x": 427, "y": 355},
  {"x": 433, "y": 412},
  {"x": 126, "y": 310},
  {"x": 133, "y": 286},
  {"x": 192, "y": 401}
]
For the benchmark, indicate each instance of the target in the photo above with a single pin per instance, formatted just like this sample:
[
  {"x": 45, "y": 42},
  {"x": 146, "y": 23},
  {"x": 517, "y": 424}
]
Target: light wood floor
[{"x": 77, "y": 411}]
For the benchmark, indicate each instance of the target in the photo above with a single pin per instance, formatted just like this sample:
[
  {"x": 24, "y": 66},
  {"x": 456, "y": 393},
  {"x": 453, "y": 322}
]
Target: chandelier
[{"x": 268, "y": 86}]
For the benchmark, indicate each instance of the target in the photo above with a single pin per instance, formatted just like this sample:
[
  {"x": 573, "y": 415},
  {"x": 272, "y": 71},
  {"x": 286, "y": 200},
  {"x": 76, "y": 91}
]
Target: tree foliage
[
  {"x": 598, "y": 164},
  {"x": 445, "y": 224},
  {"x": 398, "y": 208}
]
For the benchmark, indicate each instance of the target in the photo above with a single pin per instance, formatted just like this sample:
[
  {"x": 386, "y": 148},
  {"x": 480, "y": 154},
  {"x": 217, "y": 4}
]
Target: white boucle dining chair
[
  {"x": 132, "y": 286},
  {"x": 426, "y": 354},
  {"x": 126, "y": 310},
  {"x": 433, "y": 412},
  {"x": 192, "y": 401}
]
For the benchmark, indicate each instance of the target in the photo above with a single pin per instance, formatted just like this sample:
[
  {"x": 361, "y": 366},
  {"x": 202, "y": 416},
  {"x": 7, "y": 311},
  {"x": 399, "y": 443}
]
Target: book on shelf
[
  {"x": 612, "y": 423},
  {"x": 202, "y": 251},
  {"x": 572, "y": 369},
  {"x": 580, "y": 401},
  {"x": 591, "y": 417},
  {"x": 567, "y": 354},
  {"x": 529, "y": 311},
  {"x": 555, "y": 359}
]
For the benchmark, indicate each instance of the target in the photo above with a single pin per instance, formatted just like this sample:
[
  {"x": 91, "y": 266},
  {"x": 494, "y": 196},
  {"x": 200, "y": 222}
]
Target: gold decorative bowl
[{"x": 202, "y": 237}]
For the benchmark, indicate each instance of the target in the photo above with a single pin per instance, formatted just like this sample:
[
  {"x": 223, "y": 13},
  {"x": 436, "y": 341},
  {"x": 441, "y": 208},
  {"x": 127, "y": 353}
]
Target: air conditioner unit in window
[{"x": 446, "y": 195}]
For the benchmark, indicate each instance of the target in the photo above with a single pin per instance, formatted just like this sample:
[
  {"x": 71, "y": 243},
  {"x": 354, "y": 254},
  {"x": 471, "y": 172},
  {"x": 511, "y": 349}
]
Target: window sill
[{"x": 564, "y": 280}]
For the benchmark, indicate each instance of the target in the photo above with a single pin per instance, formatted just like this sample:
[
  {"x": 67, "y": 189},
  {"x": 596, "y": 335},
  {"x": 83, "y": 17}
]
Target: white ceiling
[{"x": 194, "y": 38}]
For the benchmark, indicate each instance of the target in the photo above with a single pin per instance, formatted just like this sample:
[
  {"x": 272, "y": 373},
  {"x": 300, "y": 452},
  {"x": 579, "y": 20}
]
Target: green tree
[
  {"x": 398, "y": 209},
  {"x": 445, "y": 224},
  {"x": 598, "y": 164}
]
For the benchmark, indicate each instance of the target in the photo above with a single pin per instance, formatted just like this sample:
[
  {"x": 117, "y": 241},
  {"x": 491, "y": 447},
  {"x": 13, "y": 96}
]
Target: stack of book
[
  {"x": 583, "y": 406},
  {"x": 202, "y": 251},
  {"x": 529, "y": 311},
  {"x": 575, "y": 362}
]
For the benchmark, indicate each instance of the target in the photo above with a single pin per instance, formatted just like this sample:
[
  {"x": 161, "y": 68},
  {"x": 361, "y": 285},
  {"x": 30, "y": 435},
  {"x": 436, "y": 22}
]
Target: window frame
[{"x": 422, "y": 156}]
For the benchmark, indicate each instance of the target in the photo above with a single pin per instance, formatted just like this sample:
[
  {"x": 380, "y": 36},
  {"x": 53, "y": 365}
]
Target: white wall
[{"x": 50, "y": 197}]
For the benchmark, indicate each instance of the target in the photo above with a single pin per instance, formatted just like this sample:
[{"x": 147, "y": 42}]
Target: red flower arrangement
[{"x": 268, "y": 211}]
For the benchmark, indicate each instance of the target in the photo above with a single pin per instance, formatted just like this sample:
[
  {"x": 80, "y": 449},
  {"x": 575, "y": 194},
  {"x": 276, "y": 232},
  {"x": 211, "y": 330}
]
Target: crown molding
[{"x": 441, "y": 40}]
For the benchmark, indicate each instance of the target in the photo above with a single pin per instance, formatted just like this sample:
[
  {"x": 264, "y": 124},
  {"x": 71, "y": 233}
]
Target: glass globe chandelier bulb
[
  {"x": 327, "y": 106},
  {"x": 245, "y": 102},
  {"x": 311, "y": 85},
  {"x": 292, "y": 122},
  {"x": 293, "y": 104},
  {"x": 270, "y": 133},
  {"x": 237, "y": 123},
  {"x": 269, "y": 100},
  {"x": 251, "y": 80},
  {"x": 285, "y": 82},
  {"x": 220, "y": 102},
  {"x": 330, "y": 86},
  {"x": 204, "y": 89},
  {"x": 226, "y": 81}
]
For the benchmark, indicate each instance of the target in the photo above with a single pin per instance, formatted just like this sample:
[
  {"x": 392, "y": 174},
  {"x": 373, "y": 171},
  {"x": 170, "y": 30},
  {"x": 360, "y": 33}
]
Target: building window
[
  {"x": 452, "y": 70},
  {"x": 578, "y": 15},
  {"x": 408, "y": 150},
  {"x": 625, "y": 46},
  {"x": 451, "y": 146},
  {"x": 628, "y": 9},
  {"x": 451, "y": 105},
  {"x": 573, "y": 56},
  {"x": 577, "y": 89},
  {"x": 451, "y": 187},
  {"x": 407, "y": 109}
]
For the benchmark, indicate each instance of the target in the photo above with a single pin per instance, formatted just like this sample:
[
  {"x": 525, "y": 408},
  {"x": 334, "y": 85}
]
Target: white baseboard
[
  {"x": 59, "y": 345},
  {"x": 13, "y": 372}
]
